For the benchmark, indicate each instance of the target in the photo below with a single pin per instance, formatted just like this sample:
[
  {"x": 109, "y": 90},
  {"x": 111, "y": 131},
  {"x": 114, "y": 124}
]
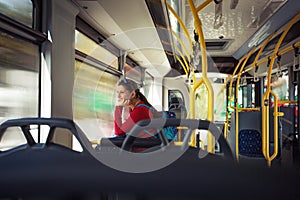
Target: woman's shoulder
[
  {"x": 143, "y": 111},
  {"x": 143, "y": 105}
]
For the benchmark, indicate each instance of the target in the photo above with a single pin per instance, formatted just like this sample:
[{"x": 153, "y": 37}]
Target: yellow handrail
[
  {"x": 265, "y": 107},
  {"x": 204, "y": 79},
  {"x": 182, "y": 64},
  {"x": 249, "y": 109},
  {"x": 254, "y": 65},
  {"x": 266, "y": 136},
  {"x": 287, "y": 102},
  {"x": 182, "y": 45},
  {"x": 236, "y": 104},
  {"x": 203, "y": 5},
  {"x": 280, "y": 53},
  {"x": 184, "y": 60},
  {"x": 182, "y": 25},
  {"x": 231, "y": 81},
  {"x": 237, "y": 109}
]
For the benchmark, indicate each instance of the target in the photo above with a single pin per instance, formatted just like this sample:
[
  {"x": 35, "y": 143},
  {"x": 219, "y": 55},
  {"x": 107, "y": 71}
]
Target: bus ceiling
[{"x": 243, "y": 25}]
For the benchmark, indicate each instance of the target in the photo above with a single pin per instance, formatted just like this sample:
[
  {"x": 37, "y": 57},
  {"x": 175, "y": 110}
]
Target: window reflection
[{"x": 19, "y": 10}]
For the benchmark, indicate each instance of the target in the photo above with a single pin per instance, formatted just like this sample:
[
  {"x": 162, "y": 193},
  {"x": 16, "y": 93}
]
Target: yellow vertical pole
[
  {"x": 266, "y": 96},
  {"x": 226, "y": 124},
  {"x": 236, "y": 104},
  {"x": 230, "y": 90},
  {"x": 199, "y": 32},
  {"x": 230, "y": 94}
]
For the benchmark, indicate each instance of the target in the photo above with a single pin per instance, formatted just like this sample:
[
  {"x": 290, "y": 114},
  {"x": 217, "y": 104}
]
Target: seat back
[
  {"x": 177, "y": 106},
  {"x": 250, "y": 134},
  {"x": 250, "y": 121},
  {"x": 250, "y": 143}
]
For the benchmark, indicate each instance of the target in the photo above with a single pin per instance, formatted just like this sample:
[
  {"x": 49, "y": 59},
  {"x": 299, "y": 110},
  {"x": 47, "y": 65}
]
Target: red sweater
[{"x": 137, "y": 114}]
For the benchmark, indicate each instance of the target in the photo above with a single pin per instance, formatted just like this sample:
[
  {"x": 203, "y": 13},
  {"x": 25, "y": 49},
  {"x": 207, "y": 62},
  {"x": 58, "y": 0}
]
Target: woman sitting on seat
[{"x": 130, "y": 98}]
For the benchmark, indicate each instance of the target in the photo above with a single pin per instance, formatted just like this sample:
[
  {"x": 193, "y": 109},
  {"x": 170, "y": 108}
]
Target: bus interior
[{"x": 227, "y": 69}]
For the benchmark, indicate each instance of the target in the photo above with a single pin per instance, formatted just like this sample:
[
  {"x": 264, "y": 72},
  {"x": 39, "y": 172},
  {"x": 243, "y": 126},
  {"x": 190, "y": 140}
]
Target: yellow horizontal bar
[
  {"x": 280, "y": 53},
  {"x": 178, "y": 143},
  {"x": 182, "y": 128},
  {"x": 245, "y": 109},
  {"x": 203, "y": 5},
  {"x": 287, "y": 101},
  {"x": 94, "y": 142}
]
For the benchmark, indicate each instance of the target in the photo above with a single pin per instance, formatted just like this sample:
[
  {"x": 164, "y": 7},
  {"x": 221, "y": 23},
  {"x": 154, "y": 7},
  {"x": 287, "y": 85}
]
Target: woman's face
[{"x": 123, "y": 95}]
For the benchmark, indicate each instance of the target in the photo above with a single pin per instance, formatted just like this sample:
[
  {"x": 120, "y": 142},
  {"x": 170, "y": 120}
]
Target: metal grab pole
[
  {"x": 182, "y": 45},
  {"x": 232, "y": 78},
  {"x": 280, "y": 53},
  {"x": 236, "y": 104},
  {"x": 186, "y": 66},
  {"x": 205, "y": 80},
  {"x": 229, "y": 96},
  {"x": 237, "y": 109},
  {"x": 254, "y": 65},
  {"x": 182, "y": 25},
  {"x": 266, "y": 96}
]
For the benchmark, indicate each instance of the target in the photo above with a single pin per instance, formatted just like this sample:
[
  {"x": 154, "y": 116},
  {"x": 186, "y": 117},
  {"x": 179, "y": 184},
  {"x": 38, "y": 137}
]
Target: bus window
[
  {"x": 21, "y": 11},
  {"x": 280, "y": 87},
  {"x": 247, "y": 96},
  {"x": 201, "y": 96},
  {"x": 19, "y": 88}
]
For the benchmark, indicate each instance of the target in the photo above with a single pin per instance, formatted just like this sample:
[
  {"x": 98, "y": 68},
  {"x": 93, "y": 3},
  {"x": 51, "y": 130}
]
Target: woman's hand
[{"x": 124, "y": 102}]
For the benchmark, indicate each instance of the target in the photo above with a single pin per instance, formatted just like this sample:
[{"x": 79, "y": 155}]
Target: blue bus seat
[
  {"x": 250, "y": 143},
  {"x": 250, "y": 134}
]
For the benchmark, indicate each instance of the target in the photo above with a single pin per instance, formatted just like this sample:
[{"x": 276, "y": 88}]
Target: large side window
[
  {"x": 20, "y": 52},
  {"x": 19, "y": 59},
  {"x": 147, "y": 89},
  {"x": 19, "y": 77},
  {"x": 96, "y": 76}
]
